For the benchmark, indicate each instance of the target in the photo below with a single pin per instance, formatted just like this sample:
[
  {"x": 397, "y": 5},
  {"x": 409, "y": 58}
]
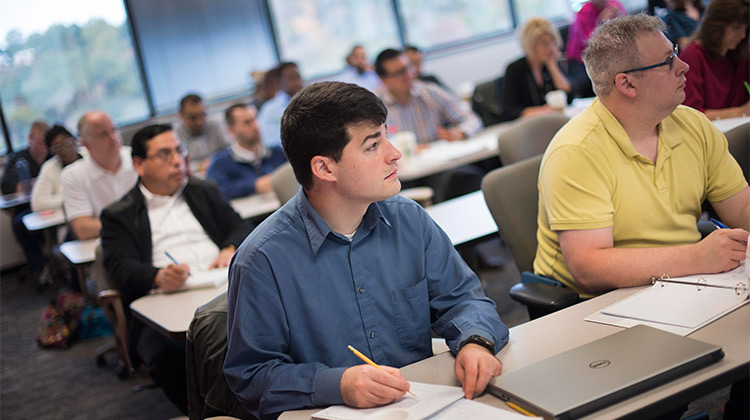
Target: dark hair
[
  {"x": 410, "y": 48},
  {"x": 138, "y": 144},
  {"x": 229, "y": 113},
  {"x": 190, "y": 98},
  {"x": 679, "y": 5},
  {"x": 384, "y": 56},
  {"x": 315, "y": 123},
  {"x": 278, "y": 70},
  {"x": 53, "y": 132},
  {"x": 710, "y": 32}
]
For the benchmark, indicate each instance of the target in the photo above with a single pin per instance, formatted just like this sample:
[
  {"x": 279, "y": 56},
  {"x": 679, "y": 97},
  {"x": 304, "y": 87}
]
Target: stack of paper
[{"x": 209, "y": 278}]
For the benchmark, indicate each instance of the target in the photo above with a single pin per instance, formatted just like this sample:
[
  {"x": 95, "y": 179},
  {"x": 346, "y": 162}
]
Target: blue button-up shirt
[
  {"x": 269, "y": 119},
  {"x": 299, "y": 293}
]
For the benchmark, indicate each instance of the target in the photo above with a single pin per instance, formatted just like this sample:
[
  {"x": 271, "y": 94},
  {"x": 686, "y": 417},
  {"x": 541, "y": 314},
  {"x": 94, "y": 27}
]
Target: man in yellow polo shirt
[{"x": 621, "y": 185}]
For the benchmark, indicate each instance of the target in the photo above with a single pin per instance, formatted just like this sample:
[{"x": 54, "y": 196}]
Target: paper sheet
[
  {"x": 429, "y": 399},
  {"x": 207, "y": 278}
]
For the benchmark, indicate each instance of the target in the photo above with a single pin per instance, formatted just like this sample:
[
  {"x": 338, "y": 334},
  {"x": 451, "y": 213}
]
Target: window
[
  {"x": 61, "y": 59},
  {"x": 429, "y": 23},
  {"x": 318, "y": 34},
  {"x": 208, "y": 47},
  {"x": 548, "y": 9}
]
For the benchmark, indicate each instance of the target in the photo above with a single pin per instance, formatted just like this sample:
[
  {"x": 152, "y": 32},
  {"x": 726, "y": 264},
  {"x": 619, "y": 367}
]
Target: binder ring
[
  {"x": 740, "y": 288},
  {"x": 700, "y": 284}
]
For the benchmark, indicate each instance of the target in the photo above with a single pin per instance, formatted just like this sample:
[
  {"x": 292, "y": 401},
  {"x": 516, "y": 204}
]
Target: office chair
[
  {"x": 284, "y": 183},
  {"x": 512, "y": 197},
  {"x": 528, "y": 137},
  {"x": 738, "y": 140},
  {"x": 486, "y": 104},
  {"x": 209, "y": 394}
]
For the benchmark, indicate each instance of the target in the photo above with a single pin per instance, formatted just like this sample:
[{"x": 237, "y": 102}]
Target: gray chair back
[
  {"x": 284, "y": 183},
  {"x": 738, "y": 139},
  {"x": 512, "y": 197},
  {"x": 528, "y": 137}
]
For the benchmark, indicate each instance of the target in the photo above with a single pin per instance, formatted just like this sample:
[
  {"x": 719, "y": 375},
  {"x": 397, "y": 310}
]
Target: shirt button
[
  {"x": 372, "y": 334},
  {"x": 361, "y": 290}
]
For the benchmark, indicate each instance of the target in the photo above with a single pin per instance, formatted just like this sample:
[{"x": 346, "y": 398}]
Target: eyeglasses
[
  {"x": 401, "y": 72},
  {"x": 668, "y": 62},
  {"x": 165, "y": 155}
]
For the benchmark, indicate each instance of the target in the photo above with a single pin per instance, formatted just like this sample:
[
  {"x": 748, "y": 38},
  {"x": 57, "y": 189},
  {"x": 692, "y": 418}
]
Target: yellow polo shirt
[{"x": 592, "y": 177}]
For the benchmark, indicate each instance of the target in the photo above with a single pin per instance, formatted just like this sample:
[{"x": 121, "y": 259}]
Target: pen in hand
[
  {"x": 718, "y": 224},
  {"x": 175, "y": 262},
  {"x": 368, "y": 361}
]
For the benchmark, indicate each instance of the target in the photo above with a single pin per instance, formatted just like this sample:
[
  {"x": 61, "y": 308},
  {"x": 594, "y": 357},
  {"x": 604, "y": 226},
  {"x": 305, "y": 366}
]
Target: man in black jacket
[{"x": 166, "y": 215}]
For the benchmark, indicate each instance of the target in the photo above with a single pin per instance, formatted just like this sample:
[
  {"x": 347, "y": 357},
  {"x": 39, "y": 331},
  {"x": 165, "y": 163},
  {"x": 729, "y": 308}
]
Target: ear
[
  {"x": 324, "y": 168},
  {"x": 624, "y": 84},
  {"x": 138, "y": 165}
]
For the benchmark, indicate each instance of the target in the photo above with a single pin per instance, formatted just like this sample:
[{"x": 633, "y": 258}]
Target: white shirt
[
  {"x": 88, "y": 188},
  {"x": 47, "y": 193},
  {"x": 175, "y": 229}
]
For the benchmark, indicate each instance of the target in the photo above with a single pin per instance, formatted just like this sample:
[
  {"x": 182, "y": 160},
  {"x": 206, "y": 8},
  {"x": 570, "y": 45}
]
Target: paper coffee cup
[{"x": 557, "y": 99}]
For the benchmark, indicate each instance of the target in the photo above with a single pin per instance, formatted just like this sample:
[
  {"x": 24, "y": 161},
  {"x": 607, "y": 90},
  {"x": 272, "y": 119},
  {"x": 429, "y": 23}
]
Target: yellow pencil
[
  {"x": 369, "y": 362},
  {"x": 520, "y": 410}
]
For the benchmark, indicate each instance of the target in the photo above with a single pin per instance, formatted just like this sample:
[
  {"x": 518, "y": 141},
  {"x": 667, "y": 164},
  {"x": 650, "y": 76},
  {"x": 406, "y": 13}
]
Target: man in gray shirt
[{"x": 201, "y": 136}]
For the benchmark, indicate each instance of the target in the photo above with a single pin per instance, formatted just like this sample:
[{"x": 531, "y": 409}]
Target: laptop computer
[{"x": 603, "y": 372}]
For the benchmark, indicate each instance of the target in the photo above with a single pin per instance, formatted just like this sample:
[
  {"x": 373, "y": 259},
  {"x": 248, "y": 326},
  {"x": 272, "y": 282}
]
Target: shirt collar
[
  {"x": 240, "y": 154},
  {"x": 154, "y": 201},
  {"x": 318, "y": 230},
  {"x": 618, "y": 134},
  {"x": 126, "y": 164}
]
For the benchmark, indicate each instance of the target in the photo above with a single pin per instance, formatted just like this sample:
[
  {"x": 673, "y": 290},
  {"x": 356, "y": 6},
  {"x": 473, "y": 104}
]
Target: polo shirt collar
[
  {"x": 620, "y": 137},
  {"x": 318, "y": 230}
]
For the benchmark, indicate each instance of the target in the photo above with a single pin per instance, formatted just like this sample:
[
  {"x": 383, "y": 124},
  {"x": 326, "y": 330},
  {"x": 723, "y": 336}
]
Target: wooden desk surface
[
  {"x": 464, "y": 218},
  {"x": 566, "y": 329},
  {"x": 171, "y": 313}
]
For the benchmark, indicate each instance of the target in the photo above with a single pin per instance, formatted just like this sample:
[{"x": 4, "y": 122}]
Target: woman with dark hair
[
  {"x": 682, "y": 19},
  {"x": 718, "y": 59}
]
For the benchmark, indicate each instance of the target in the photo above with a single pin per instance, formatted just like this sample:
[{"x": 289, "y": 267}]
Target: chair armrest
[{"x": 544, "y": 296}]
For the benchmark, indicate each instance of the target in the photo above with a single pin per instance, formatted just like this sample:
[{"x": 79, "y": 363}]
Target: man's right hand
[
  {"x": 365, "y": 386},
  {"x": 722, "y": 250},
  {"x": 172, "y": 277}
]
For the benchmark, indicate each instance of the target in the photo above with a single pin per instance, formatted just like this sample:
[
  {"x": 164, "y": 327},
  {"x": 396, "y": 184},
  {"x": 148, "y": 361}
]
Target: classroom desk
[
  {"x": 12, "y": 201},
  {"x": 464, "y": 219},
  {"x": 44, "y": 219},
  {"x": 442, "y": 156},
  {"x": 81, "y": 254},
  {"x": 730, "y": 123},
  {"x": 171, "y": 313},
  {"x": 256, "y": 205},
  {"x": 566, "y": 329}
]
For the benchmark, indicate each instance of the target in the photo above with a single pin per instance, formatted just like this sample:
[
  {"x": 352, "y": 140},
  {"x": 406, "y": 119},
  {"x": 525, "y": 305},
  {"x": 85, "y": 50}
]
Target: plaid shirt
[{"x": 429, "y": 107}]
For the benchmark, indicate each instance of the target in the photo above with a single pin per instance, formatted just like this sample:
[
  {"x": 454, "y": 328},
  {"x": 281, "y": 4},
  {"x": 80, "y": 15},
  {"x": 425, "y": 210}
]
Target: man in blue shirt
[
  {"x": 348, "y": 262},
  {"x": 244, "y": 167},
  {"x": 269, "y": 117}
]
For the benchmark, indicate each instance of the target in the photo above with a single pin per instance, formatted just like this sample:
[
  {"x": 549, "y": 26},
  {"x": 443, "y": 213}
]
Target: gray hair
[{"x": 612, "y": 48}]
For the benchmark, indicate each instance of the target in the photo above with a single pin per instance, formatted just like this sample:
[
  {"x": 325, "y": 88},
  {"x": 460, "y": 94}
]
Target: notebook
[{"x": 603, "y": 372}]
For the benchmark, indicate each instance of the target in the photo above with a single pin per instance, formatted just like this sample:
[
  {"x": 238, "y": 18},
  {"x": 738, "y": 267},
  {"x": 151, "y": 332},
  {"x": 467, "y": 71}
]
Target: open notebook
[{"x": 434, "y": 402}]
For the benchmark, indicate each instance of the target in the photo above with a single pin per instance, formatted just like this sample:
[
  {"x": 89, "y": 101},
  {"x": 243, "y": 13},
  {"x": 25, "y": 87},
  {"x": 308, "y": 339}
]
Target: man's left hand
[
  {"x": 224, "y": 258},
  {"x": 475, "y": 366},
  {"x": 450, "y": 134}
]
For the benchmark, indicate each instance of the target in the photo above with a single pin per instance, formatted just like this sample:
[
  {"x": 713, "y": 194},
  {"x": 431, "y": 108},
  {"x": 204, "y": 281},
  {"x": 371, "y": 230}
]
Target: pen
[
  {"x": 747, "y": 86},
  {"x": 718, "y": 224},
  {"x": 368, "y": 361},
  {"x": 174, "y": 261}
]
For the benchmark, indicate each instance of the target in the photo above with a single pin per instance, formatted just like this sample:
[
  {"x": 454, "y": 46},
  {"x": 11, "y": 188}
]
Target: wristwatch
[{"x": 478, "y": 339}]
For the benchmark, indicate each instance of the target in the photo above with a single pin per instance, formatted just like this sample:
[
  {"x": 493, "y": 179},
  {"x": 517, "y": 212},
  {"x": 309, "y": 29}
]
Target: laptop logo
[{"x": 599, "y": 364}]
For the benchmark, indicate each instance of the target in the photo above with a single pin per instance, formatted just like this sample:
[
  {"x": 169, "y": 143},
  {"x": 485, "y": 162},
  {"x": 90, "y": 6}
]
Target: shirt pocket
[{"x": 412, "y": 315}]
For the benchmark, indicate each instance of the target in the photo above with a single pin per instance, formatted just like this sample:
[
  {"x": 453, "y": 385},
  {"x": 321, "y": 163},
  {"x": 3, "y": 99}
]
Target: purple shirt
[{"x": 587, "y": 20}]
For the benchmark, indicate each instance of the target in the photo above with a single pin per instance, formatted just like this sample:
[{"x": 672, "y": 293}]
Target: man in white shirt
[
  {"x": 98, "y": 180},
  {"x": 165, "y": 213}
]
